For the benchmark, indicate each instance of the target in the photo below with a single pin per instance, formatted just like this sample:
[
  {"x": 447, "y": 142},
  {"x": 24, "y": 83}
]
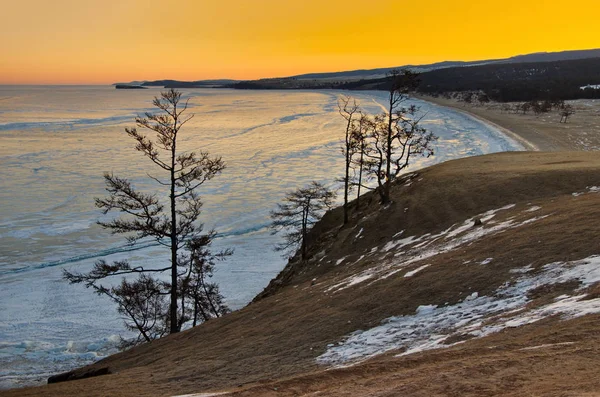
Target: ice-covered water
[{"x": 57, "y": 142}]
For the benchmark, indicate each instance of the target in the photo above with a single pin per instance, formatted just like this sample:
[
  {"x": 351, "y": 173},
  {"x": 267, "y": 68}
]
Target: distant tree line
[
  {"x": 502, "y": 82},
  {"x": 561, "y": 80}
]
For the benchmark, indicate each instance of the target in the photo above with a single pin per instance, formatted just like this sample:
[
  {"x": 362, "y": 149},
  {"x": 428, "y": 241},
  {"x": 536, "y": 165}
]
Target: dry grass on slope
[
  {"x": 418, "y": 262},
  {"x": 550, "y": 358},
  {"x": 435, "y": 198}
]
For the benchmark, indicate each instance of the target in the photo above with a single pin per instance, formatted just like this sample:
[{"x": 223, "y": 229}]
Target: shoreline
[
  {"x": 504, "y": 130},
  {"x": 534, "y": 133},
  {"x": 527, "y": 145}
]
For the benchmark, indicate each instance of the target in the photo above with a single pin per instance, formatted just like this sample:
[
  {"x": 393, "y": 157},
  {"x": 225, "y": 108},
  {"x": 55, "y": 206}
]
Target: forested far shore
[
  {"x": 506, "y": 82},
  {"x": 510, "y": 80}
]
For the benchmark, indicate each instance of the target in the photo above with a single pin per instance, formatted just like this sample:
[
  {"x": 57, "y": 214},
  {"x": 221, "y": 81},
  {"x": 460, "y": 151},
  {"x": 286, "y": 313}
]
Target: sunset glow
[{"x": 99, "y": 42}]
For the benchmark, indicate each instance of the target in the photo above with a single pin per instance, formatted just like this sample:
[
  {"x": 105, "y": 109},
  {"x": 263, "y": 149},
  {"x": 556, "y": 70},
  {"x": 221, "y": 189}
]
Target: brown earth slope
[{"x": 423, "y": 254}]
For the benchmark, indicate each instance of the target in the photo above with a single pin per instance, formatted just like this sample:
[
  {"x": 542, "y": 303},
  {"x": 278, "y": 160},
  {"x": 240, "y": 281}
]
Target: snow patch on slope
[
  {"x": 476, "y": 316},
  {"x": 417, "y": 270},
  {"x": 412, "y": 249},
  {"x": 203, "y": 394},
  {"x": 590, "y": 189}
]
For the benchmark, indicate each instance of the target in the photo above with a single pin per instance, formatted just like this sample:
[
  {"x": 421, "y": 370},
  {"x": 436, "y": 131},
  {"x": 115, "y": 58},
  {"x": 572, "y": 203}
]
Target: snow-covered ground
[
  {"x": 57, "y": 142},
  {"x": 590, "y": 86},
  {"x": 433, "y": 326}
]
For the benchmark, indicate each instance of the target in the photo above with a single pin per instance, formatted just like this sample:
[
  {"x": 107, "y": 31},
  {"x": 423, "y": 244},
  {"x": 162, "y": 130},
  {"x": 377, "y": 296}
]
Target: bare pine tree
[
  {"x": 206, "y": 301},
  {"x": 172, "y": 223},
  {"x": 300, "y": 210}
]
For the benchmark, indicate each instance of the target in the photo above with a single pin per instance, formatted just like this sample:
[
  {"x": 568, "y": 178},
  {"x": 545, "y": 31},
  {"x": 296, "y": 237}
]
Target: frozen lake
[{"x": 58, "y": 141}]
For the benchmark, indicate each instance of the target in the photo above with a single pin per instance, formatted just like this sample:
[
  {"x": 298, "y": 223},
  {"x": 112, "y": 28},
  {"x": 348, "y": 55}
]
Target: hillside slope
[{"x": 479, "y": 279}]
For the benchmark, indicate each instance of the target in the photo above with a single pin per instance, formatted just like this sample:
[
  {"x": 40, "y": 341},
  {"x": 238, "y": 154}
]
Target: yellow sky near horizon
[{"x": 100, "y": 42}]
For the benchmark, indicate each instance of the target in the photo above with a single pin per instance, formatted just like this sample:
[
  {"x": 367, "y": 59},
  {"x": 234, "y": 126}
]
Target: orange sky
[{"x": 104, "y": 41}]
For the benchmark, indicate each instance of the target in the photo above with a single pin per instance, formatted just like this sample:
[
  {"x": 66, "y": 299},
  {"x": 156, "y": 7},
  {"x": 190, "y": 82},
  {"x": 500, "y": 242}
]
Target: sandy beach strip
[{"x": 538, "y": 133}]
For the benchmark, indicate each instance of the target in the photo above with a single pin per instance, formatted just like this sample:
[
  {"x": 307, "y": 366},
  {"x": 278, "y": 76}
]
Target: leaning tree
[
  {"x": 155, "y": 305},
  {"x": 300, "y": 210}
]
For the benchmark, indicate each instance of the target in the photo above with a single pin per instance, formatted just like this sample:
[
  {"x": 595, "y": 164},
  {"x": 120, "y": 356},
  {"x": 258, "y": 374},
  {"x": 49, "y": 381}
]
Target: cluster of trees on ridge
[
  {"x": 559, "y": 80},
  {"x": 376, "y": 149}
]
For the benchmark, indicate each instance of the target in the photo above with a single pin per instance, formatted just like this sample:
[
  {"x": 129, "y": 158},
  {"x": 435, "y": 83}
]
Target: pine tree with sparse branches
[
  {"x": 152, "y": 306},
  {"x": 300, "y": 210}
]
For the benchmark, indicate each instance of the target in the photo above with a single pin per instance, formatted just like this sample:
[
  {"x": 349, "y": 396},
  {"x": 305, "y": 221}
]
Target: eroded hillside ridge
[
  {"x": 432, "y": 200},
  {"x": 482, "y": 274},
  {"x": 467, "y": 249}
]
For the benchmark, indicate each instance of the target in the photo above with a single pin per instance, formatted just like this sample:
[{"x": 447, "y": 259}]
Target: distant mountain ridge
[
  {"x": 555, "y": 56},
  {"x": 190, "y": 84},
  {"x": 217, "y": 83},
  {"x": 530, "y": 77},
  {"x": 330, "y": 79},
  {"x": 381, "y": 72}
]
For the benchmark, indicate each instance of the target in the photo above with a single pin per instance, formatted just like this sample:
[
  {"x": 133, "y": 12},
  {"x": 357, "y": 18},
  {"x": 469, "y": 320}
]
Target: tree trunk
[
  {"x": 304, "y": 227},
  {"x": 174, "y": 323},
  {"x": 385, "y": 198},
  {"x": 348, "y": 153},
  {"x": 346, "y": 186},
  {"x": 360, "y": 171},
  {"x": 208, "y": 297}
]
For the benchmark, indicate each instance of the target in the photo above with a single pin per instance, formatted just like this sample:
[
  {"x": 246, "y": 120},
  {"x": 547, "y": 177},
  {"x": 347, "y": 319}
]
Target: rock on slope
[{"x": 479, "y": 279}]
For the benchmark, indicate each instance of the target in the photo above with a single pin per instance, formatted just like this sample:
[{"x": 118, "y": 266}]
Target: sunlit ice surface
[{"x": 58, "y": 141}]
